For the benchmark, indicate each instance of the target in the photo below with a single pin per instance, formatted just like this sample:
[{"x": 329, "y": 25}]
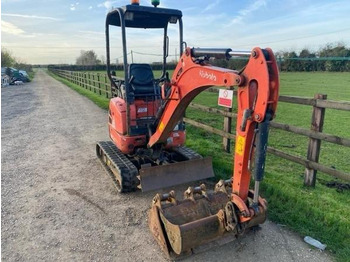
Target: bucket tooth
[
  {"x": 192, "y": 192},
  {"x": 224, "y": 186}
]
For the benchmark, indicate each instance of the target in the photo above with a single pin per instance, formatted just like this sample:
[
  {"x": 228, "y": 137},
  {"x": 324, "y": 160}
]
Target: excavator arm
[
  {"x": 257, "y": 96},
  {"x": 180, "y": 226}
]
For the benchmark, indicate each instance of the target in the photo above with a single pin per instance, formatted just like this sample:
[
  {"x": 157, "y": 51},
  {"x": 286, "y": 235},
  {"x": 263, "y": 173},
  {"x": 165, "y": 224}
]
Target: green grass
[{"x": 321, "y": 212}]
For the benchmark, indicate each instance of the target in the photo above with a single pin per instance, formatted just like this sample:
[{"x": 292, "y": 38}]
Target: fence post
[
  {"x": 93, "y": 82},
  {"x": 89, "y": 81},
  {"x": 99, "y": 84},
  {"x": 313, "y": 151},
  {"x": 106, "y": 86},
  {"x": 227, "y": 128}
]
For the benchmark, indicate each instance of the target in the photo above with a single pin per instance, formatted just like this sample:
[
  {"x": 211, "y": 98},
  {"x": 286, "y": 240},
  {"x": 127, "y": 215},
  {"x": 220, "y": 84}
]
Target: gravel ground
[{"x": 58, "y": 205}]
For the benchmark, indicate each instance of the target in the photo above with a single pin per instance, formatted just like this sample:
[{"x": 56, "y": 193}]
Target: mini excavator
[{"x": 147, "y": 148}]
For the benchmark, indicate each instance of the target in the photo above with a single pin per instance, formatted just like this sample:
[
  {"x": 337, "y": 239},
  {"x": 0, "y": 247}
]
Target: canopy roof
[{"x": 143, "y": 16}]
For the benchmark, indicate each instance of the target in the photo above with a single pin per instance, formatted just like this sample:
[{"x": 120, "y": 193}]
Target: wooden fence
[
  {"x": 95, "y": 82},
  {"x": 99, "y": 84}
]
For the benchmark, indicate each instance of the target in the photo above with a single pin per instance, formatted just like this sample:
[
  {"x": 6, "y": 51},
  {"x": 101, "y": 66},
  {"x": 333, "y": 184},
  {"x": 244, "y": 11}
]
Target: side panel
[
  {"x": 117, "y": 116},
  {"x": 126, "y": 144},
  {"x": 118, "y": 128}
]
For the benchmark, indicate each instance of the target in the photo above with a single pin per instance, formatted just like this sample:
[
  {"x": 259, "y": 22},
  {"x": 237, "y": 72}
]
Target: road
[{"x": 58, "y": 205}]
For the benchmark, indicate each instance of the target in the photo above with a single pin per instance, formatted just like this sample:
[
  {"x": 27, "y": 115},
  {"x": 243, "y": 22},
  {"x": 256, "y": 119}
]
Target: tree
[
  {"x": 7, "y": 60},
  {"x": 336, "y": 54},
  {"x": 291, "y": 62},
  {"x": 87, "y": 58},
  {"x": 307, "y": 62},
  {"x": 102, "y": 59}
]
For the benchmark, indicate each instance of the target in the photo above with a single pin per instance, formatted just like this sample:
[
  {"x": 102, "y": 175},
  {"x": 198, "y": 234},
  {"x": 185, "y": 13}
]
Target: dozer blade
[{"x": 163, "y": 176}]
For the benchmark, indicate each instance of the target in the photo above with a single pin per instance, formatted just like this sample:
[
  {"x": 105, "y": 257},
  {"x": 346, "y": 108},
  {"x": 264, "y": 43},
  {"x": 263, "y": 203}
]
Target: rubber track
[
  {"x": 187, "y": 152},
  {"x": 122, "y": 164}
]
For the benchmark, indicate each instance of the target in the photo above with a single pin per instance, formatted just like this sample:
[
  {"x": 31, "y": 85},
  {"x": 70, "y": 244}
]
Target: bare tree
[
  {"x": 103, "y": 59},
  {"x": 87, "y": 58}
]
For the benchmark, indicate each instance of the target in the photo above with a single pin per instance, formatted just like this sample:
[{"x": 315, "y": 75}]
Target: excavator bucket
[
  {"x": 198, "y": 222},
  {"x": 162, "y": 176}
]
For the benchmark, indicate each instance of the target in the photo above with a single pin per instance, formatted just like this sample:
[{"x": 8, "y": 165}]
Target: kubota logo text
[{"x": 206, "y": 75}]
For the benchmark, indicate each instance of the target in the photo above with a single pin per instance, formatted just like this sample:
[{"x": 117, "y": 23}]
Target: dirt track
[{"x": 58, "y": 205}]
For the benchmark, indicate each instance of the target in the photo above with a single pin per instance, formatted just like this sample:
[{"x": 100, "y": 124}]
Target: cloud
[
  {"x": 31, "y": 16},
  {"x": 9, "y": 28},
  {"x": 248, "y": 10},
  {"x": 107, "y": 4},
  {"x": 90, "y": 7},
  {"x": 211, "y": 6},
  {"x": 73, "y": 6}
]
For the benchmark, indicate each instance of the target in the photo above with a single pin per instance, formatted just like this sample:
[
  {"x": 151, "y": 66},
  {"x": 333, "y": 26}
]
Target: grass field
[{"x": 322, "y": 212}]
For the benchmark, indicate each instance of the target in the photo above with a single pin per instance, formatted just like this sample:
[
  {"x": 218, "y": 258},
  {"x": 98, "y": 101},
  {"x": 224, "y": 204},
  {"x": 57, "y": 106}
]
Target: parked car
[
  {"x": 18, "y": 76},
  {"x": 24, "y": 73},
  {"x": 15, "y": 74}
]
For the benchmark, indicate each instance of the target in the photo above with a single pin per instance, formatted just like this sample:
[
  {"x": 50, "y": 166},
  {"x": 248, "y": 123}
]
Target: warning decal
[
  {"x": 161, "y": 127},
  {"x": 225, "y": 98},
  {"x": 240, "y": 143}
]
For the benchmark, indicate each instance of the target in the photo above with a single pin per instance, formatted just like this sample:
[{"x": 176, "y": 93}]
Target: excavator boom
[{"x": 181, "y": 226}]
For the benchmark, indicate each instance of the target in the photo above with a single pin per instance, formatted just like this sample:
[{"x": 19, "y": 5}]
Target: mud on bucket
[{"x": 180, "y": 226}]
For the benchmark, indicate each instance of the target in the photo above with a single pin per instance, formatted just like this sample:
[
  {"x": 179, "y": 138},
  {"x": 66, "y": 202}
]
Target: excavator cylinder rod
[
  {"x": 236, "y": 53},
  {"x": 219, "y": 53}
]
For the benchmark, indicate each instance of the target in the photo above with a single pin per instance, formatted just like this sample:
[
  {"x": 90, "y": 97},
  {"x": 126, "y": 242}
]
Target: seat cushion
[{"x": 141, "y": 75}]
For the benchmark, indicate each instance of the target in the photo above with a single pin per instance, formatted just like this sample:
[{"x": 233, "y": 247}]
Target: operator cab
[
  {"x": 137, "y": 103},
  {"x": 146, "y": 17}
]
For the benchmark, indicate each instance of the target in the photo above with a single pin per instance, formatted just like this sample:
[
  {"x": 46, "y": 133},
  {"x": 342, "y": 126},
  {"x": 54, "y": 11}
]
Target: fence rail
[
  {"x": 95, "y": 82},
  {"x": 99, "y": 84}
]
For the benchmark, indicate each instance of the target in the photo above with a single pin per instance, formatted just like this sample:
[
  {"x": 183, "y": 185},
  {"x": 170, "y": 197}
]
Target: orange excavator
[{"x": 147, "y": 133}]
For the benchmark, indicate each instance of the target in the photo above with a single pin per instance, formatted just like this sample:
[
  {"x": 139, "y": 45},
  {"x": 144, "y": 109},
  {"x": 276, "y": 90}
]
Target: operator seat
[{"x": 142, "y": 80}]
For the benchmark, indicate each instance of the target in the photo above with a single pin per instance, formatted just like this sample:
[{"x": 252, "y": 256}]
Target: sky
[{"x": 54, "y": 32}]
